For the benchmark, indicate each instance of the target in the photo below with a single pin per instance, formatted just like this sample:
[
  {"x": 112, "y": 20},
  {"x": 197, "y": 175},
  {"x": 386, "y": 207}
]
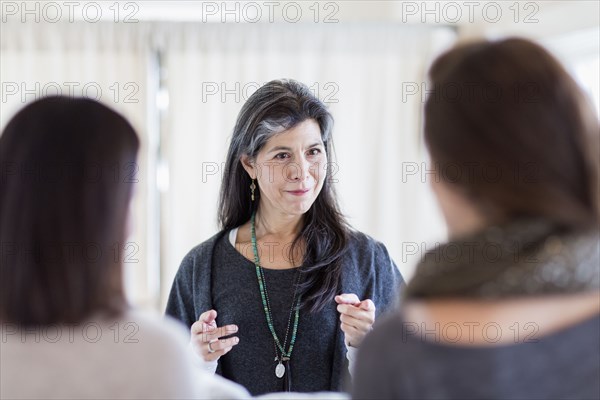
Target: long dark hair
[
  {"x": 63, "y": 207},
  {"x": 511, "y": 108},
  {"x": 280, "y": 105}
]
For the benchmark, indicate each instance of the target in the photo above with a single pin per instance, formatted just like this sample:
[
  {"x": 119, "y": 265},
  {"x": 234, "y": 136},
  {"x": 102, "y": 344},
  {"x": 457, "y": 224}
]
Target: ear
[{"x": 248, "y": 166}]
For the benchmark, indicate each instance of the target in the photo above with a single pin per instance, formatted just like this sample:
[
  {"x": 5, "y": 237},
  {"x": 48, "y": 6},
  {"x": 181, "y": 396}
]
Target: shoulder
[
  {"x": 361, "y": 245},
  {"x": 158, "y": 338},
  {"x": 190, "y": 293},
  {"x": 145, "y": 335},
  {"x": 204, "y": 249},
  {"x": 367, "y": 264},
  {"x": 154, "y": 331},
  {"x": 166, "y": 340},
  {"x": 117, "y": 348},
  {"x": 200, "y": 254},
  {"x": 367, "y": 254}
]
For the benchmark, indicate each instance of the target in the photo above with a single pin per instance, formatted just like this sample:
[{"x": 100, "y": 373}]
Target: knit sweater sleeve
[
  {"x": 373, "y": 274},
  {"x": 180, "y": 304},
  {"x": 387, "y": 282},
  {"x": 370, "y": 273},
  {"x": 190, "y": 293}
]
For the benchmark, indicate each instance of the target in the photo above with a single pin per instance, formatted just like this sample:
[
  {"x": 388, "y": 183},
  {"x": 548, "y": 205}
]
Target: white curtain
[{"x": 366, "y": 73}]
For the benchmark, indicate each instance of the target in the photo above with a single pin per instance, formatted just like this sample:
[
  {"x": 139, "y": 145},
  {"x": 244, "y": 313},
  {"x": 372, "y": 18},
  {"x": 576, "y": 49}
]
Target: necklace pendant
[{"x": 279, "y": 370}]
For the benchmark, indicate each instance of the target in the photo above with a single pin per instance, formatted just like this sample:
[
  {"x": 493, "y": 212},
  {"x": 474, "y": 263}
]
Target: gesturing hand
[
  {"x": 206, "y": 337},
  {"x": 357, "y": 317}
]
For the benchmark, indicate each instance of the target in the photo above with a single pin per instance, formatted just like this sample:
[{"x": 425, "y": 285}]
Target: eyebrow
[{"x": 279, "y": 148}]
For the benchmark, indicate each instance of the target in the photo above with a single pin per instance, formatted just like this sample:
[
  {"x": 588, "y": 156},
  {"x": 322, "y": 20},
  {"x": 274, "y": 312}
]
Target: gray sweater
[
  {"x": 395, "y": 365},
  {"x": 215, "y": 275}
]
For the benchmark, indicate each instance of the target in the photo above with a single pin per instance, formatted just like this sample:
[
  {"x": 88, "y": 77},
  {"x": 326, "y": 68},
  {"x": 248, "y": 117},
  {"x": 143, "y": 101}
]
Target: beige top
[{"x": 137, "y": 356}]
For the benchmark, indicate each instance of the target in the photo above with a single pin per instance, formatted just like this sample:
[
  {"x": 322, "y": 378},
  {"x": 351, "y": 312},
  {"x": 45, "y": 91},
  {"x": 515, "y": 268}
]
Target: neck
[
  {"x": 273, "y": 223},
  {"x": 465, "y": 223},
  {"x": 461, "y": 215}
]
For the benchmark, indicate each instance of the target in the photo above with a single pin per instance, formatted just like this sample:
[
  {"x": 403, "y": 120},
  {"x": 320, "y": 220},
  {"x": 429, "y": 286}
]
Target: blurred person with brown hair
[
  {"x": 510, "y": 306},
  {"x": 67, "y": 330}
]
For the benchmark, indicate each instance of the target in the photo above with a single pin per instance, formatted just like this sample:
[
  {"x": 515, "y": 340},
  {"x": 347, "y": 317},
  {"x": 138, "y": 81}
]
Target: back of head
[
  {"x": 63, "y": 206},
  {"x": 509, "y": 128}
]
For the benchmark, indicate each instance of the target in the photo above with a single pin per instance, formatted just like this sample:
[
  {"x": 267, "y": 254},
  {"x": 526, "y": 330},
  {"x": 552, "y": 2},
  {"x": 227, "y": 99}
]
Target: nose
[{"x": 300, "y": 170}]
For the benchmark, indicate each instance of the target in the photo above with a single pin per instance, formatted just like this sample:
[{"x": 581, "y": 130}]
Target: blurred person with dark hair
[
  {"x": 67, "y": 330},
  {"x": 293, "y": 287},
  {"x": 510, "y": 306}
]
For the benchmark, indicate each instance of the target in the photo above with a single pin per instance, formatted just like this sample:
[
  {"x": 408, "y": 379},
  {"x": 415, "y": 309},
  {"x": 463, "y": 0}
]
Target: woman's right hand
[{"x": 206, "y": 336}]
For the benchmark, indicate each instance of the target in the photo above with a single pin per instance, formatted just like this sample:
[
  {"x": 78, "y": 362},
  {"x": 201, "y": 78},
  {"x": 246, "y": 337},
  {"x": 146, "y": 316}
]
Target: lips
[{"x": 298, "y": 192}]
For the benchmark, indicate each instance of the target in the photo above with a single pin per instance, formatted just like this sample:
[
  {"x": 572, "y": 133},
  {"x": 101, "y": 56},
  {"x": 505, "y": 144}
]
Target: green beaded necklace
[{"x": 285, "y": 355}]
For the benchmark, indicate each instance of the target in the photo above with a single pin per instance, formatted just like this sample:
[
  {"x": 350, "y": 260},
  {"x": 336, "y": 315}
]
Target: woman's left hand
[{"x": 357, "y": 317}]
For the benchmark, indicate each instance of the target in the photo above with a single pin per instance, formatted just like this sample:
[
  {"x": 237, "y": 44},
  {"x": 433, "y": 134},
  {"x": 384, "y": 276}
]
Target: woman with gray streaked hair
[{"x": 294, "y": 287}]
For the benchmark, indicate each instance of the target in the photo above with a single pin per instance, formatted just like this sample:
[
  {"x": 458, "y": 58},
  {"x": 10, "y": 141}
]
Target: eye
[
  {"x": 314, "y": 152},
  {"x": 282, "y": 156}
]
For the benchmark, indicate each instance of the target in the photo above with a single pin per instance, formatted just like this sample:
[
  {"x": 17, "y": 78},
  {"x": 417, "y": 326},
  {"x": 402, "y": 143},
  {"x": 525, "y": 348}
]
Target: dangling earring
[{"x": 252, "y": 187}]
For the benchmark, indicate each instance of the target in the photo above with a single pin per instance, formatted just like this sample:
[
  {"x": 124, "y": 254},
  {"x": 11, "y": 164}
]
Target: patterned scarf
[{"x": 522, "y": 258}]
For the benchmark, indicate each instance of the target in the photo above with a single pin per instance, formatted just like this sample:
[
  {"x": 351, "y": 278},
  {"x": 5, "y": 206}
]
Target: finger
[
  {"x": 227, "y": 350},
  {"x": 220, "y": 345},
  {"x": 208, "y": 356},
  {"x": 367, "y": 305},
  {"x": 199, "y": 327},
  {"x": 347, "y": 298},
  {"x": 357, "y": 322},
  {"x": 362, "y": 325},
  {"x": 206, "y": 322},
  {"x": 218, "y": 333},
  {"x": 356, "y": 312},
  {"x": 352, "y": 336},
  {"x": 217, "y": 354},
  {"x": 349, "y": 330},
  {"x": 348, "y": 309},
  {"x": 208, "y": 317}
]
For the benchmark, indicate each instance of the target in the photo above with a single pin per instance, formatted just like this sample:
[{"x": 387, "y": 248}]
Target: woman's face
[{"x": 290, "y": 169}]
